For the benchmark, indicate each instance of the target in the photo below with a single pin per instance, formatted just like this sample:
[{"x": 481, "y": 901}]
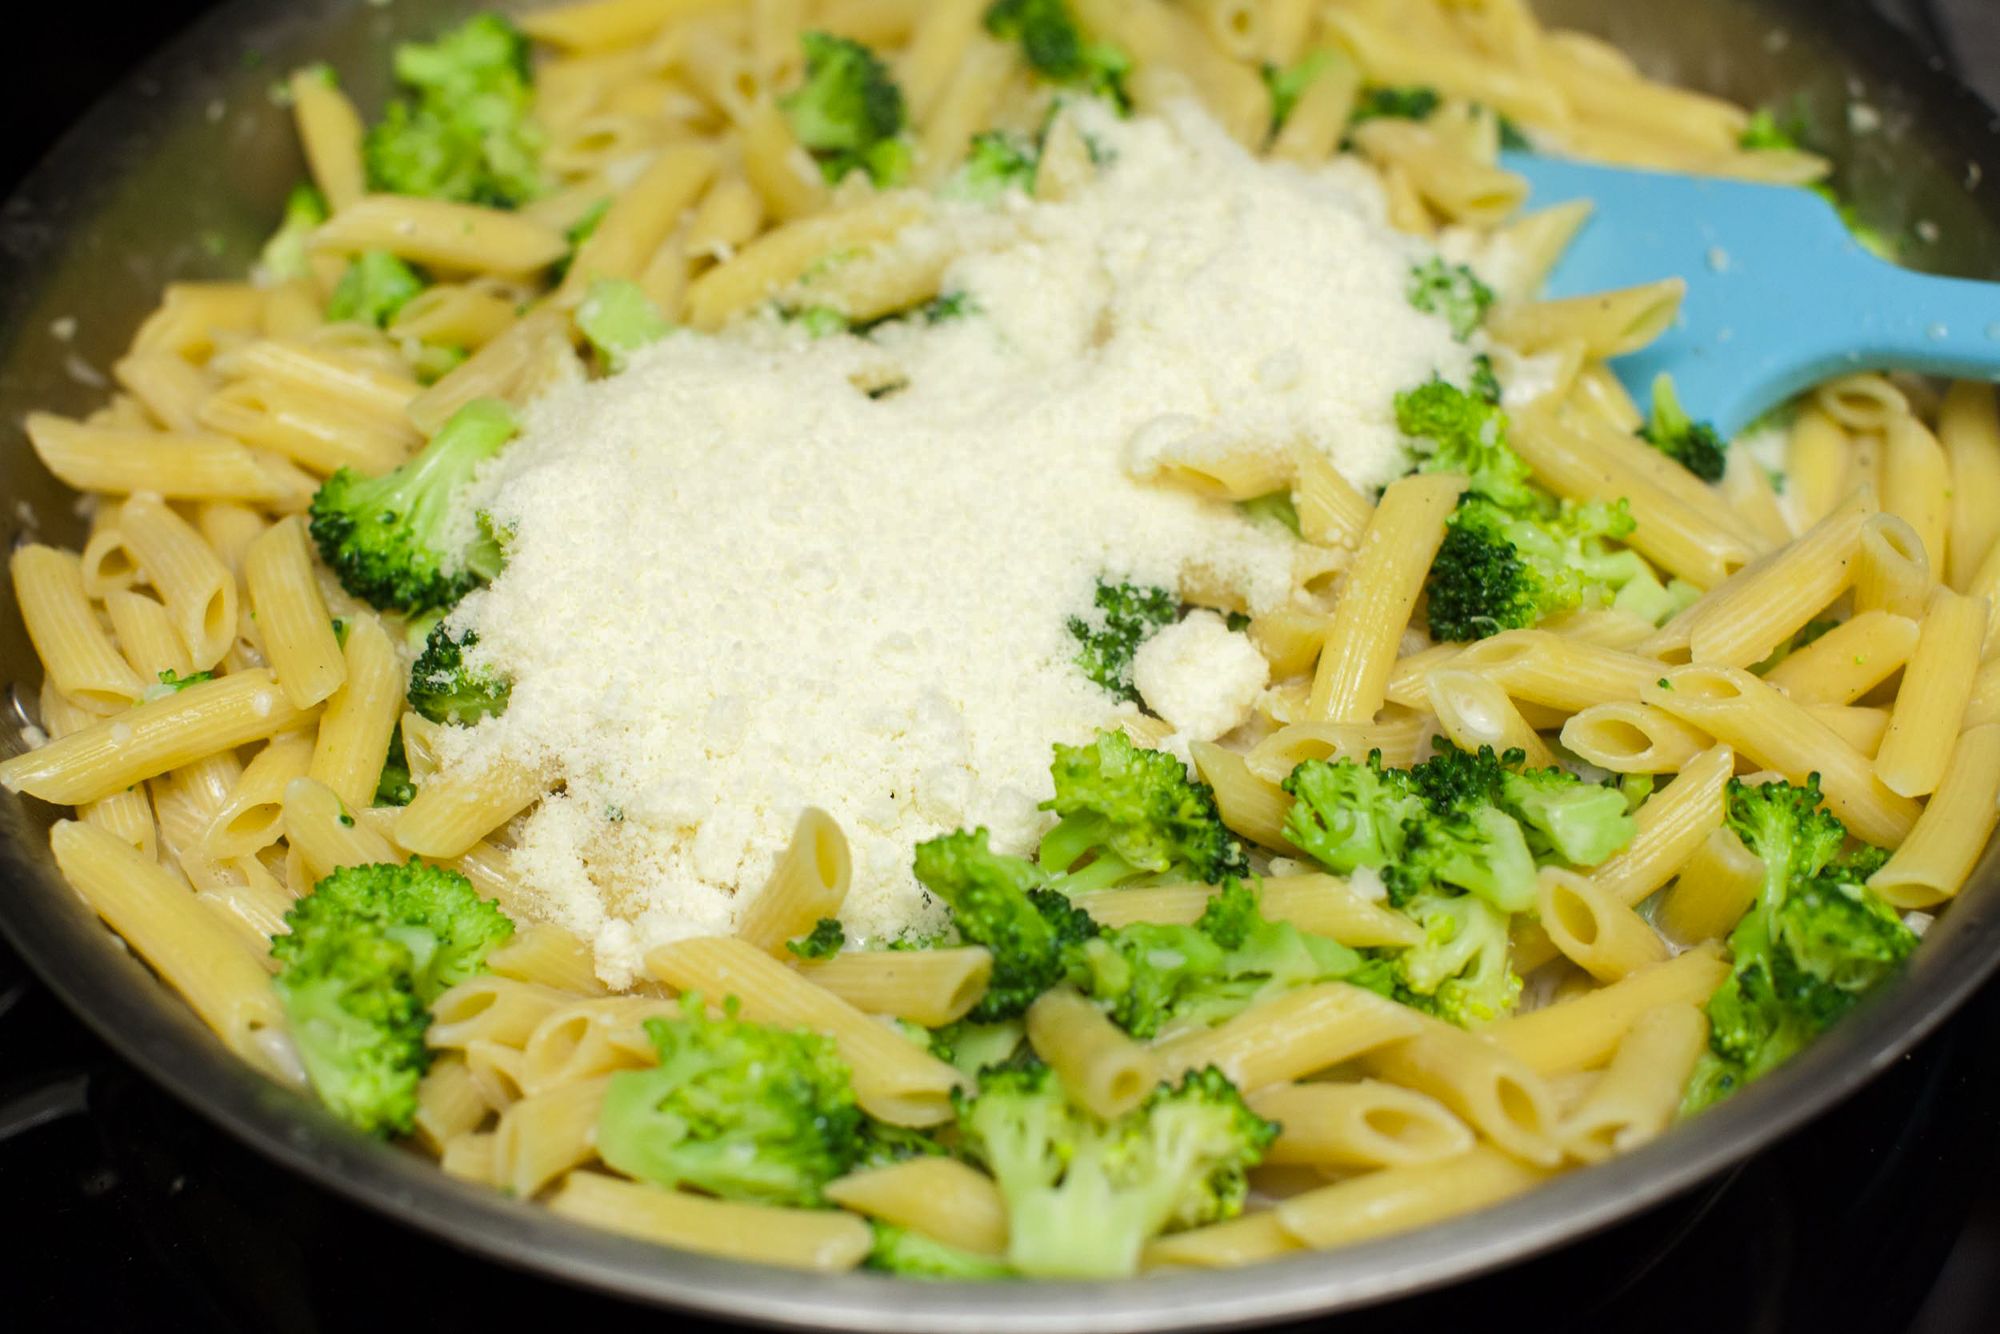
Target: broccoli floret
[
  {"x": 1461, "y": 972},
  {"x": 1452, "y": 292},
  {"x": 1502, "y": 569},
  {"x": 1566, "y": 818},
  {"x": 1056, "y": 50},
  {"x": 1812, "y": 946},
  {"x": 1696, "y": 446},
  {"x": 898, "y": 1250},
  {"x": 827, "y": 938},
  {"x": 1288, "y": 85},
  {"x": 375, "y": 286},
  {"x": 1563, "y": 817},
  {"x": 996, "y": 164},
  {"x": 445, "y": 689},
  {"x": 1461, "y": 432},
  {"x": 1125, "y": 616},
  {"x": 619, "y": 319},
  {"x": 1132, "y": 812},
  {"x": 285, "y": 256},
  {"x": 849, "y": 113},
  {"x": 1083, "y": 1196},
  {"x": 1456, "y": 819},
  {"x": 1787, "y": 828},
  {"x": 358, "y": 1028},
  {"x": 465, "y": 132},
  {"x": 386, "y": 537},
  {"x": 1346, "y": 815},
  {"x": 1379, "y": 102},
  {"x": 1003, "y": 903},
  {"x": 363, "y": 957},
  {"x": 740, "y": 1110},
  {"x": 1152, "y": 977},
  {"x": 394, "y": 787}
]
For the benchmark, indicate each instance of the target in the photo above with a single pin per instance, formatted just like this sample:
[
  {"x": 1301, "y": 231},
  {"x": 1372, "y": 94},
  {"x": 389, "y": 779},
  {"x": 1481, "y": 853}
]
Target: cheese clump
[{"x": 738, "y": 584}]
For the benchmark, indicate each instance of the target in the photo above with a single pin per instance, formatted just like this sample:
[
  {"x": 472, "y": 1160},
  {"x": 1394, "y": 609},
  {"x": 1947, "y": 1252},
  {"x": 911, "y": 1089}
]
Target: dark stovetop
[{"x": 131, "y": 1213}]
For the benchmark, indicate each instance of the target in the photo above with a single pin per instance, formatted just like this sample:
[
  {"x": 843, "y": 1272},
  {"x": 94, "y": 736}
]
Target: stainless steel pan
[{"x": 180, "y": 173}]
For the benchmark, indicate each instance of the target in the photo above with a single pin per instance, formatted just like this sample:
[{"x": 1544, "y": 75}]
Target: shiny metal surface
[{"x": 179, "y": 175}]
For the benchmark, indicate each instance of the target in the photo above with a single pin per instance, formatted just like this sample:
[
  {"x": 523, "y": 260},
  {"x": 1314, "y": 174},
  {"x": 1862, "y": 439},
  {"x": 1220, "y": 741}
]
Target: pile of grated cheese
[{"x": 738, "y": 585}]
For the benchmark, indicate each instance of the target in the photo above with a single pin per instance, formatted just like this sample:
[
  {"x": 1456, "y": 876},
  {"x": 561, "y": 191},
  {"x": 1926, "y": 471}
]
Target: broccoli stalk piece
[
  {"x": 466, "y": 132},
  {"x": 1696, "y": 446},
  {"x": 740, "y": 1110},
  {"x": 997, "y": 164},
  {"x": 897, "y": 1250},
  {"x": 1132, "y": 812},
  {"x": 1452, "y": 292},
  {"x": 364, "y": 956},
  {"x": 620, "y": 320},
  {"x": 1083, "y": 1196},
  {"x": 827, "y": 938},
  {"x": 1152, "y": 978},
  {"x": 1003, "y": 903},
  {"x": 375, "y": 286},
  {"x": 284, "y": 256},
  {"x": 446, "y": 689},
  {"x": 386, "y": 537},
  {"x": 971, "y": 1047},
  {"x": 849, "y": 113},
  {"x": 1816, "y": 941},
  {"x": 1055, "y": 48},
  {"x": 1459, "y": 431},
  {"x": 1124, "y": 617}
]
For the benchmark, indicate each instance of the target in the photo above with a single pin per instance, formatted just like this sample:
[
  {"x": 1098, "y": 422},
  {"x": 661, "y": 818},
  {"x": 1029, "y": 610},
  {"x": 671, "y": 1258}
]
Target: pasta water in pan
[{"x": 1001, "y": 639}]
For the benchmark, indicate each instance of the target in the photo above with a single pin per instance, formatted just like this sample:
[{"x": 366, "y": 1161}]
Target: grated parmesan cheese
[
  {"x": 738, "y": 585},
  {"x": 1200, "y": 676}
]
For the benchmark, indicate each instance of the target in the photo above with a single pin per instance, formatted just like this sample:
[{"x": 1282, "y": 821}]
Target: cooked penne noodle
[
  {"x": 1893, "y": 573},
  {"x": 1636, "y": 1097},
  {"x": 544, "y": 1135},
  {"x": 1292, "y": 1035},
  {"x": 1106, "y": 1072},
  {"x": 1743, "y": 712},
  {"x": 452, "y": 812},
  {"x": 291, "y": 616},
  {"x": 1594, "y": 928},
  {"x": 204, "y": 719},
  {"x": 1768, "y": 601},
  {"x": 1953, "y": 830},
  {"x": 465, "y": 237},
  {"x": 1486, "y": 1086},
  {"x": 1969, "y": 427},
  {"x": 1916, "y": 485},
  {"x": 808, "y": 883},
  {"x": 1627, "y": 737},
  {"x": 75, "y": 651},
  {"x": 1713, "y": 891},
  {"x": 1320, "y": 904},
  {"x": 1363, "y": 1124},
  {"x": 324, "y": 832},
  {"x": 360, "y": 718},
  {"x": 928, "y": 987},
  {"x": 1847, "y": 661},
  {"x": 940, "y": 1197},
  {"x": 813, "y": 1239},
  {"x": 545, "y": 953},
  {"x": 1937, "y": 685},
  {"x": 1582, "y": 1034},
  {"x": 1388, "y": 573},
  {"x": 1398, "y": 1199},
  {"x": 1474, "y": 711},
  {"x": 157, "y": 915}
]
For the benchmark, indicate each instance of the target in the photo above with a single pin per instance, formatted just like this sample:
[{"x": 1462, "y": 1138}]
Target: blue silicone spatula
[{"x": 1780, "y": 295}]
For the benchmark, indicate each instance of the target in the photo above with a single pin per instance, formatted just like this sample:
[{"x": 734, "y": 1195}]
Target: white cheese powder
[
  {"x": 738, "y": 585},
  {"x": 1200, "y": 676}
]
